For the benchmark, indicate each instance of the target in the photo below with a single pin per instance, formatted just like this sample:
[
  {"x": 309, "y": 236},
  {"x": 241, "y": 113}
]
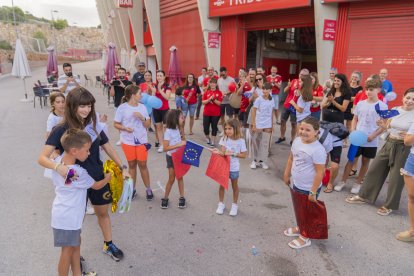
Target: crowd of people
[{"x": 241, "y": 117}]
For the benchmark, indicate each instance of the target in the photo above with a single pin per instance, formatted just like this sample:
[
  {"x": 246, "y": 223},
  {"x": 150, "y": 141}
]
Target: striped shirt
[{"x": 62, "y": 81}]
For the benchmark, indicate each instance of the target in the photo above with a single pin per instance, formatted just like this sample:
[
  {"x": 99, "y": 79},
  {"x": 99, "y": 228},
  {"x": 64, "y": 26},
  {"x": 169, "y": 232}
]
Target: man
[
  {"x": 260, "y": 70},
  {"x": 138, "y": 77},
  {"x": 67, "y": 81},
  {"x": 276, "y": 81},
  {"x": 386, "y": 84},
  {"x": 200, "y": 96},
  {"x": 223, "y": 85},
  {"x": 210, "y": 74},
  {"x": 293, "y": 90},
  {"x": 246, "y": 84}
]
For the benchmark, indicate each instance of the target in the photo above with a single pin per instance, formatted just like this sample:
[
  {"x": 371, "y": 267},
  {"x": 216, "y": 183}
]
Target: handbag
[{"x": 235, "y": 100}]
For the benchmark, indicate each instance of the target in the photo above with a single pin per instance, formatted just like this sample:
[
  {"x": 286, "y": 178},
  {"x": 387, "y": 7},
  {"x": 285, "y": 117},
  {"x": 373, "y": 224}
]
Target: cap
[{"x": 141, "y": 63}]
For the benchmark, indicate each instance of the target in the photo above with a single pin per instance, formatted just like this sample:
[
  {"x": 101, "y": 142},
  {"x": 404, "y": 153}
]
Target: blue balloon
[
  {"x": 358, "y": 138},
  {"x": 149, "y": 109},
  {"x": 154, "y": 102},
  {"x": 144, "y": 98}
]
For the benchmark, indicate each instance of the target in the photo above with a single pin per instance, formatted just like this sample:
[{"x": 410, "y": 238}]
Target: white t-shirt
[
  {"x": 367, "y": 119},
  {"x": 173, "y": 137},
  {"x": 306, "y": 109},
  {"x": 68, "y": 208},
  {"x": 200, "y": 80},
  {"x": 223, "y": 85},
  {"x": 62, "y": 81},
  {"x": 264, "y": 112},
  {"x": 304, "y": 158},
  {"x": 236, "y": 146},
  {"x": 411, "y": 131},
  {"x": 52, "y": 121},
  {"x": 125, "y": 116},
  {"x": 401, "y": 123}
]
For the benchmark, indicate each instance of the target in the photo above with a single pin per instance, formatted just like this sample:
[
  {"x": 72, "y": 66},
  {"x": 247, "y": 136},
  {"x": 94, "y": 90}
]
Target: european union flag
[
  {"x": 192, "y": 154},
  {"x": 386, "y": 114}
]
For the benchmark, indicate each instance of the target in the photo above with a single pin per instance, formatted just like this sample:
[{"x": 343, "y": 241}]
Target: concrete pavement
[{"x": 193, "y": 241}]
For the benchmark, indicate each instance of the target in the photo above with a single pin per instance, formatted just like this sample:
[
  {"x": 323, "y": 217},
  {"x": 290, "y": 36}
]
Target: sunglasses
[
  {"x": 71, "y": 173},
  {"x": 259, "y": 79}
]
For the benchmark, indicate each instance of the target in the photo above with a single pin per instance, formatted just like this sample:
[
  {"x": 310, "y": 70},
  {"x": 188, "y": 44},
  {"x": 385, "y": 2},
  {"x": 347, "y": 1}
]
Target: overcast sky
[{"x": 81, "y": 12}]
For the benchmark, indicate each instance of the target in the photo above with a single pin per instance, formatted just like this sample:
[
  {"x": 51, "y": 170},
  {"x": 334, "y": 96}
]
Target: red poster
[
  {"x": 329, "y": 29},
  {"x": 213, "y": 40},
  {"x": 125, "y": 3},
  {"x": 234, "y": 7}
]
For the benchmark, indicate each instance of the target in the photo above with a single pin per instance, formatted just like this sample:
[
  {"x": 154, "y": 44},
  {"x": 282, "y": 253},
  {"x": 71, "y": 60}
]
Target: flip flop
[
  {"x": 191, "y": 133},
  {"x": 355, "y": 199},
  {"x": 328, "y": 189},
  {"x": 295, "y": 244},
  {"x": 384, "y": 211},
  {"x": 353, "y": 172},
  {"x": 405, "y": 236},
  {"x": 290, "y": 233}
]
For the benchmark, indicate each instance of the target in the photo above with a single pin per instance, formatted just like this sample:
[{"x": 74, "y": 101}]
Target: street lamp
[{"x": 54, "y": 34}]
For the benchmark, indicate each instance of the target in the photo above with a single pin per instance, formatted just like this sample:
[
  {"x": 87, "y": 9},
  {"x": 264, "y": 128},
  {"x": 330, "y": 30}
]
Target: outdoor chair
[
  {"x": 39, "y": 92},
  {"x": 98, "y": 81},
  {"x": 88, "y": 80}
]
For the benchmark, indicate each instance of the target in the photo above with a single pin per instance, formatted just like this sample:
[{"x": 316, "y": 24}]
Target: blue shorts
[
  {"x": 275, "y": 98},
  {"x": 409, "y": 166},
  {"x": 234, "y": 175},
  {"x": 191, "y": 108}
]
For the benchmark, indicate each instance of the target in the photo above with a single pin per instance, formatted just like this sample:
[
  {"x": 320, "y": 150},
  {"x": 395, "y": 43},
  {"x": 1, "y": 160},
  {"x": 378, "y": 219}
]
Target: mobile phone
[{"x": 69, "y": 74}]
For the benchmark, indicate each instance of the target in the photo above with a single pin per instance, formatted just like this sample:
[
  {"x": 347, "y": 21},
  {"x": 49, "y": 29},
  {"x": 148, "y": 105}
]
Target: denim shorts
[
  {"x": 234, "y": 175},
  {"x": 409, "y": 166},
  {"x": 275, "y": 98},
  {"x": 191, "y": 108}
]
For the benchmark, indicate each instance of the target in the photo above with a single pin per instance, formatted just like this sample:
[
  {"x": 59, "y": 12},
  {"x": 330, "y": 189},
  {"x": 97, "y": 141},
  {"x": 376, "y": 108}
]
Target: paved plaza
[{"x": 192, "y": 241}]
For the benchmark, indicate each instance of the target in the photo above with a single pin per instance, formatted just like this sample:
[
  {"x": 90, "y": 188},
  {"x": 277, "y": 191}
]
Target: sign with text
[
  {"x": 329, "y": 29},
  {"x": 213, "y": 40},
  {"x": 234, "y": 7},
  {"x": 125, "y": 3}
]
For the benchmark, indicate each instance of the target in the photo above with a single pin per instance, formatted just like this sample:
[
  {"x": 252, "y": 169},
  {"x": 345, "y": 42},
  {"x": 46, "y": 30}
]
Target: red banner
[
  {"x": 329, "y": 29},
  {"x": 213, "y": 40},
  {"x": 180, "y": 168},
  {"x": 234, "y": 7},
  {"x": 219, "y": 169},
  {"x": 125, "y": 3}
]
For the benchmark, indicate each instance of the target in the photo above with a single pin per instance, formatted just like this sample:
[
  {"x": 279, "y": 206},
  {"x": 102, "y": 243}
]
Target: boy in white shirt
[
  {"x": 365, "y": 120},
  {"x": 68, "y": 209}
]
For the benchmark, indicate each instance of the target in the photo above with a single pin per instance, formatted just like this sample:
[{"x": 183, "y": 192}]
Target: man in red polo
[{"x": 276, "y": 81}]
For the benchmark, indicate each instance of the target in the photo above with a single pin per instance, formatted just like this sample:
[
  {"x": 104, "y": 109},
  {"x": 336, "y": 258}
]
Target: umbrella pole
[{"x": 25, "y": 99}]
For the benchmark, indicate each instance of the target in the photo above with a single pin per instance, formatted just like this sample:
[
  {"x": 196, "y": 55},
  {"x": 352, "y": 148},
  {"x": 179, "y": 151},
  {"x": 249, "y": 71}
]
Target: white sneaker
[
  {"x": 221, "y": 134},
  {"x": 118, "y": 143},
  {"x": 339, "y": 186},
  {"x": 220, "y": 208},
  {"x": 264, "y": 166},
  {"x": 161, "y": 149},
  {"x": 89, "y": 209},
  {"x": 355, "y": 188},
  {"x": 253, "y": 165},
  {"x": 233, "y": 211}
]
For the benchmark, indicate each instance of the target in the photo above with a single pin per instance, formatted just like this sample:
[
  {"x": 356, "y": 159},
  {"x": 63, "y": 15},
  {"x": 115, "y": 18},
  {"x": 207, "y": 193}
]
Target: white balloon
[{"x": 391, "y": 96}]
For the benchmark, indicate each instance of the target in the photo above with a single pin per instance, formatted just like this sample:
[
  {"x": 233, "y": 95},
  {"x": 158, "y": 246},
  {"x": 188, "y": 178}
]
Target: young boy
[
  {"x": 365, "y": 119},
  {"x": 69, "y": 205}
]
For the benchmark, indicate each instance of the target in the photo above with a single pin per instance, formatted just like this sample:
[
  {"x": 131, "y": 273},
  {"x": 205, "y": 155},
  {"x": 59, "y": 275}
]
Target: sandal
[
  {"x": 355, "y": 199},
  {"x": 384, "y": 211},
  {"x": 328, "y": 189},
  {"x": 296, "y": 244},
  {"x": 191, "y": 133},
  {"x": 405, "y": 236},
  {"x": 292, "y": 232},
  {"x": 353, "y": 172}
]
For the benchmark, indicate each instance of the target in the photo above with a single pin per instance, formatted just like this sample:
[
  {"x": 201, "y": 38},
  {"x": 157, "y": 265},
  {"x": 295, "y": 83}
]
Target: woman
[
  {"x": 163, "y": 92},
  {"x": 355, "y": 89},
  {"x": 334, "y": 106},
  {"x": 329, "y": 82},
  {"x": 212, "y": 98},
  {"x": 80, "y": 114},
  {"x": 147, "y": 86},
  {"x": 190, "y": 93},
  {"x": 390, "y": 159},
  {"x": 57, "y": 102},
  {"x": 245, "y": 84},
  {"x": 317, "y": 96}
]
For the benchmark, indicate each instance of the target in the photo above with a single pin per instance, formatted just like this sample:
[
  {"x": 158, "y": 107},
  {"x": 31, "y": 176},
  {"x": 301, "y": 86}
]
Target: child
[
  {"x": 232, "y": 144},
  {"x": 262, "y": 125},
  {"x": 306, "y": 166},
  {"x": 365, "y": 120},
  {"x": 57, "y": 102},
  {"x": 132, "y": 120},
  {"x": 172, "y": 140},
  {"x": 68, "y": 208},
  {"x": 304, "y": 102}
]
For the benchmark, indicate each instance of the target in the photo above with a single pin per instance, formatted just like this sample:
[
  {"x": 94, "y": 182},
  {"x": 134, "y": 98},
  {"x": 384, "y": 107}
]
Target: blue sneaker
[{"x": 113, "y": 251}]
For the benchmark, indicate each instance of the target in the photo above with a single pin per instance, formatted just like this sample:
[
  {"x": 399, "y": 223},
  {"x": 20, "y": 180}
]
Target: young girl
[
  {"x": 306, "y": 166},
  {"x": 190, "y": 93},
  {"x": 132, "y": 120},
  {"x": 57, "y": 102},
  {"x": 172, "y": 140},
  {"x": 317, "y": 96},
  {"x": 163, "y": 92},
  {"x": 212, "y": 100},
  {"x": 262, "y": 125},
  {"x": 232, "y": 144},
  {"x": 304, "y": 102}
]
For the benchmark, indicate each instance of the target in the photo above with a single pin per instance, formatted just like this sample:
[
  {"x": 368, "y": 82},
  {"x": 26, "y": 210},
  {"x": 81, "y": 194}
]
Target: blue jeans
[
  {"x": 409, "y": 165},
  {"x": 307, "y": 192},
  {"x": 316, "y": 115},
  {"x": 234, "y": 175}
]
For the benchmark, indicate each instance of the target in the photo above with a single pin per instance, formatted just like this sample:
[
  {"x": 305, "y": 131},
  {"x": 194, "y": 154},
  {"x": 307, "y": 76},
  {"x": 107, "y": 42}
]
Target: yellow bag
[{"x": 116, "y": 183}]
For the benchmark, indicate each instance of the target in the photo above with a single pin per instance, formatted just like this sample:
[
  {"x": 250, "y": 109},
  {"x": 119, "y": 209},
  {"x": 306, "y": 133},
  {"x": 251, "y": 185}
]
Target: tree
[
  {"x": 6, "y": 14},
  {"x": 40, "y": 35},
  {"x": 5, "y": 45},
  {"x": 99, "y": 26},
  {"x": 60, "y": 24}
]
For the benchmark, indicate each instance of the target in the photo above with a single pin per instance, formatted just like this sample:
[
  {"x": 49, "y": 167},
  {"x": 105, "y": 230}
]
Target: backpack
[{"x": 336, "y": 129}]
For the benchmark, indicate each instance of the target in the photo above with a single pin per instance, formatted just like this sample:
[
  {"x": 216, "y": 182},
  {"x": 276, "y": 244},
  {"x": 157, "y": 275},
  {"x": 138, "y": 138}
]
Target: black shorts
[
  {"x": 367, "y": 152},
  {"x": 348, "y": 116},
  {"x": 100, "y": 197},
  {"x": 159, "y": 115},
  {"x": 335, "y": 154},
  {"x": 170, "y": 163},
  {"x": 286, "y": 114},
  {"x": 236, "y": 110},
  {"x": 243, "y": 117},
  {"x": 226, "y": 109}
]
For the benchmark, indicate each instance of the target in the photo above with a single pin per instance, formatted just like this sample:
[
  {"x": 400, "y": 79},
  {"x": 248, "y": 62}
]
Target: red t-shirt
[
  {"x": 165, "y": 88},
  {"x": 194, "y": 90},
  {"x": 207, "y": 79},
  {"x": 295, "y": 84},
  {"x": 145, "y": 88},
  {"x": 244, "y": 100},
  {"x": 212, "y": 109},
  {"x": 361, "y": 96},
  {"x": 273, "y": 80},
  {"x": 318, "y": 92}
]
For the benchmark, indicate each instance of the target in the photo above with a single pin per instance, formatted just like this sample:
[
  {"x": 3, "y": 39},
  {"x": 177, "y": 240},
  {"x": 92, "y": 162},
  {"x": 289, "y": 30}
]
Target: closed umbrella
[
  {"x": 21, "y": 67},
  {"x": 112, "y": 60},
  {"x": 104, "y": 59},
  {"x": 174, "y": 72},
  {"x": 124, "y": 58},
  {"x": 132, "y": 62},
  {"x": 52, "y": 64}
]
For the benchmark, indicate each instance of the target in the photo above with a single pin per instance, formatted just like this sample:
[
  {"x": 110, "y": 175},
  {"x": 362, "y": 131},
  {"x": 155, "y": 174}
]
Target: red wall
[{"x": 184, "y": 31}]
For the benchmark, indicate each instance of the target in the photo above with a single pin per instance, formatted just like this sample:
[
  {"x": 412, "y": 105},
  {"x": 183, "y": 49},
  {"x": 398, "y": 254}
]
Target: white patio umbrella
[
  {"x": 124, "y": 58},
  {"x": 21, "y": 68},
  {"x": 104, "y": 58},
  {"x": 132, "y": 62}
]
